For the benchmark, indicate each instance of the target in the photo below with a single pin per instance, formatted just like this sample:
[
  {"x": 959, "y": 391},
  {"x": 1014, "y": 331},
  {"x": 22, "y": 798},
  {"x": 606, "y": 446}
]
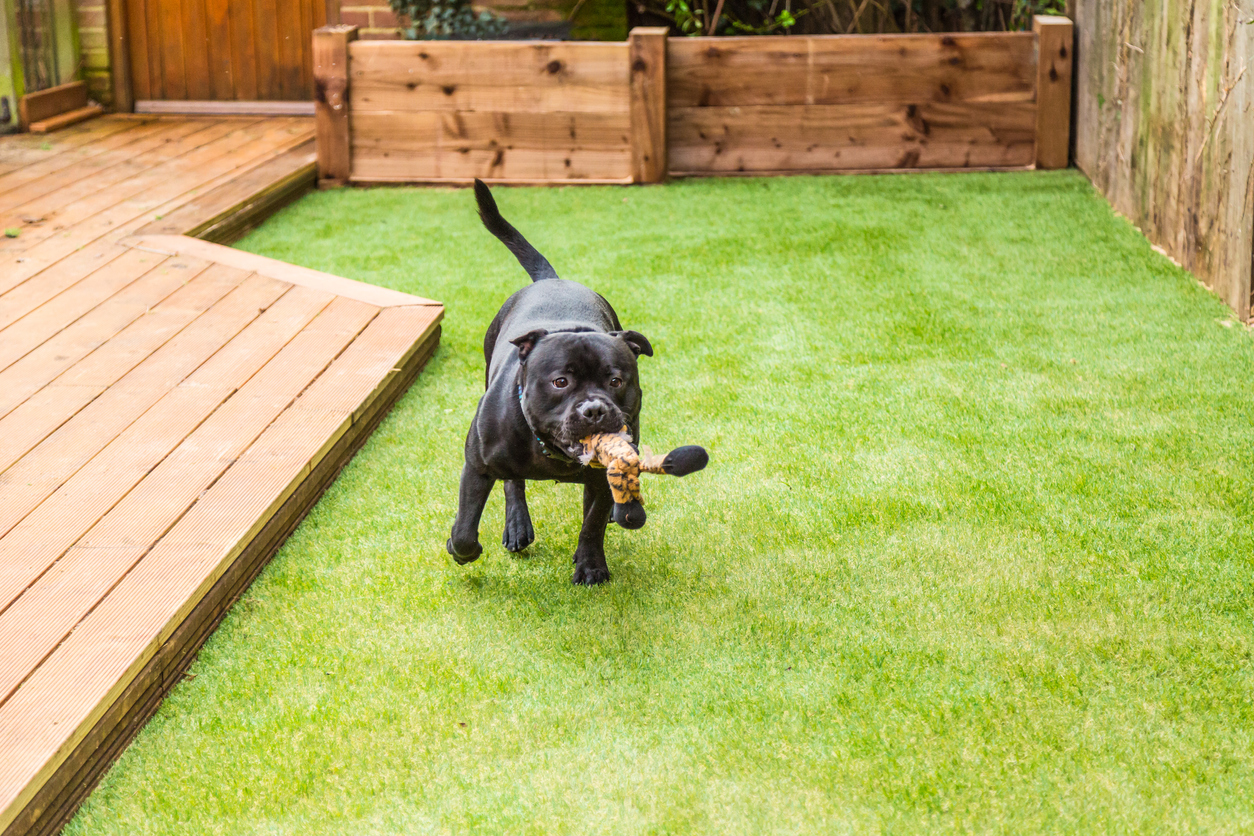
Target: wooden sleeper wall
[{"x": 637, "y": 111}]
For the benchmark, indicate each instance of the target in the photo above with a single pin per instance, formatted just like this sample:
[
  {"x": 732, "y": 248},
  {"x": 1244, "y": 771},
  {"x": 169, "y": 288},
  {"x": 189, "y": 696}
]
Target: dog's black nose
[{"x": 593, "y": 411}]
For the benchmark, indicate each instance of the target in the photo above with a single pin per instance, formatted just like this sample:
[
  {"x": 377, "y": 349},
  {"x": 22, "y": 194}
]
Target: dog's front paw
[
  {"x": 518, "y": 535},
  {"x": 464, "y": 553},
  {"x": 586, "y": 575}
]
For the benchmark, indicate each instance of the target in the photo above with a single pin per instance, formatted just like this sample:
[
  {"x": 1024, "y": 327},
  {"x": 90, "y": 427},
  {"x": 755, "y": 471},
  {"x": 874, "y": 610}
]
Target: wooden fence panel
[
  {"x": 516, "y": 111},
  {"x": 1165, "y": 128}
]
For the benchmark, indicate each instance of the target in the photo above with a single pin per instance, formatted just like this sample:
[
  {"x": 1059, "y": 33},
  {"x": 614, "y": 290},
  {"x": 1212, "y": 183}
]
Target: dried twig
[
  {"x": 718, "y": 10},
  {"x": 854, "y": 23}
]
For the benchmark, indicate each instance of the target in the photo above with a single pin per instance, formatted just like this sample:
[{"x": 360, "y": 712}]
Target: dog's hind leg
[
  {"x": 463, "y": 542},
  {"x": 518, "y": 531},
  {"x": 598, "y": 504}
]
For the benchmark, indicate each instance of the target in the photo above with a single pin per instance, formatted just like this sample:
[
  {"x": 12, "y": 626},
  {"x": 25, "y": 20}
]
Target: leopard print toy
[{"x": 623, "y": 465}]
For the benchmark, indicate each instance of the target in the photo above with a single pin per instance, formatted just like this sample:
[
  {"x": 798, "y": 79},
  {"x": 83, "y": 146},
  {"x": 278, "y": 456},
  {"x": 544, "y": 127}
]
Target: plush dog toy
[{"x": 623, "y": 466}]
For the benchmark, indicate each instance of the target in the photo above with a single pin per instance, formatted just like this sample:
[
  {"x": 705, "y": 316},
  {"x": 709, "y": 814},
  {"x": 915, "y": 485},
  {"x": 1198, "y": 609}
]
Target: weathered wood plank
[
  {"x": 850, "y": 137},
  {"x": 223, "y": 214},
  {"x": 190, "y": 174},
  {"x": 183, "y": 156},
  {"x": 36, "y": 107},
  {"x": 851, "y": 69},
  {"x": 32, "y": 165},
  {"x": 37, "y": 203},
  {"x": 65, "y": 120},
  {"x": 1165, "y": 128}
]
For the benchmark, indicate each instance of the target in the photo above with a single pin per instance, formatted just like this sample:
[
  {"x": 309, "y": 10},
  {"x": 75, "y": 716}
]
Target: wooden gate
[{"x": 222, "y": 50}]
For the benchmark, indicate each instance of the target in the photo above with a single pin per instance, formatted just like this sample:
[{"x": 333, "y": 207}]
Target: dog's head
[{"x": 576, "y": 383}]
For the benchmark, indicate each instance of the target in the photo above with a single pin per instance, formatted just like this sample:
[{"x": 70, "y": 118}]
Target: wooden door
[{"x": 223, "y": 50}]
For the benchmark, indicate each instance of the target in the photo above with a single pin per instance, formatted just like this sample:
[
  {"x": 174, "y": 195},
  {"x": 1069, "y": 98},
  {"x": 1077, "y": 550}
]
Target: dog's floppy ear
[
  {"x": 637, "y": 342},
  {"x": 527, "y": 342}
]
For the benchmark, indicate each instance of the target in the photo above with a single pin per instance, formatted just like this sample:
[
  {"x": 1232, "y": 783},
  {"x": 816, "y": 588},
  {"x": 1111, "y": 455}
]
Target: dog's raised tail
[{"x": 536, "y": 265}]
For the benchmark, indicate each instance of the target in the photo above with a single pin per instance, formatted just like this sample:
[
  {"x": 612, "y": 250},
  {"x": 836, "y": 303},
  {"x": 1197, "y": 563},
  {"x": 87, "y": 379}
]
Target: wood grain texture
[
  {"x": 62, "y": 703},
  {"x": 41, "y": 472},
  {"x": 61, "y": 310},
  {"x": 484, "y": 75},
  {"x": 36, "y": 107},
  {"x": 31, "y": 165},
  {"x": 64, "y": 120},
  {"x": 1055, "y": 48},
  {"x": 272, "y": 268},
  {"x": 450, "y": 112},
  {"x": 500, "y": 111},
  {"x": 332, "y": 101},
  {"x": 147, "y": 395},
  {"x": 1165, "y": 129},
  {"x": 34, "y": 409},
  {"x": 647, "y": 61},
  {"x": 122, "y": 85},
  {"x": 462, "y": 146},
  {"x": 850, "y": 137},
  {"x": 851, "y": 69},
  {"x": 166, "y": 188},
  {"x": 220, "y": 50},
  {"x": 224, "y": 214}
]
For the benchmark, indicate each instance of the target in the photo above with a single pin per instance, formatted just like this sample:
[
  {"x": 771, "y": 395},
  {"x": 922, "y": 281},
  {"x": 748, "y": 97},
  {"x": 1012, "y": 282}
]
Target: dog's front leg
[
  {"x": 598, "y": 504},
  {"x": 463, "y": 543},
  {"x": 519, "y": 533}
]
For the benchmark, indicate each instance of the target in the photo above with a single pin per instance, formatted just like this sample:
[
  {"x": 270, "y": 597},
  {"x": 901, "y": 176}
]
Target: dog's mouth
[{"x": 570, "y": 434}]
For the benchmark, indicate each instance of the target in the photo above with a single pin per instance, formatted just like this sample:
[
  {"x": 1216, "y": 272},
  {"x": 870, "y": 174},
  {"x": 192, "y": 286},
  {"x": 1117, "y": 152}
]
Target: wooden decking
[{"x": 169, "y": 409}]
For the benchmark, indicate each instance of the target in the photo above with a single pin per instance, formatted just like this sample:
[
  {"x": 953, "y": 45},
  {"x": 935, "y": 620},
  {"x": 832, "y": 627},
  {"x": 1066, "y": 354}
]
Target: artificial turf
[{"x": 973, "y": 552}]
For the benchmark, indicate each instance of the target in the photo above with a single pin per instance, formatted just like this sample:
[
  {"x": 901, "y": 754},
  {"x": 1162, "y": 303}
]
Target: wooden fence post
[
  {"x": 647, "y": 57},
  {"x": 1054, "y": 52},
  {"x": 331, "y": 98}
]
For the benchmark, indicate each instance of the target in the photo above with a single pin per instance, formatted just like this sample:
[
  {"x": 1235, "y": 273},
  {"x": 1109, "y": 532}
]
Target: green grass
[{"x": 973, "y": 552}]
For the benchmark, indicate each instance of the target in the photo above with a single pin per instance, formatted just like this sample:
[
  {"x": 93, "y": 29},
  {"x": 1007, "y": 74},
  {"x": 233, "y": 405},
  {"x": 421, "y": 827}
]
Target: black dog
[{"x": 559, "y": 368}]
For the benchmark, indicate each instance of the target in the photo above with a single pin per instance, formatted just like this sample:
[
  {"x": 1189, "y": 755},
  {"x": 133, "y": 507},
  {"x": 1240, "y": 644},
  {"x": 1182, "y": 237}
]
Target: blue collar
[{"x": 544, "y": 448}]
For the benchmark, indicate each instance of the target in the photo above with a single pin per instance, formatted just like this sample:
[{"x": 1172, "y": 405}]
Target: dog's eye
[
  {"x": 560, "y": 383},
  {"x": 615, "y": 382}
]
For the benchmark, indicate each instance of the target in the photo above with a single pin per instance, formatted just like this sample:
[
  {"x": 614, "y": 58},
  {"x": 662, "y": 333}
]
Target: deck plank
[
  {"x": 60, "y": 701},
  {"x": 170, "y": 409},
  {"x": 46, "y": 154},
  {"x": 84, "y": 297},
  {"x": 46, "y": 612},
  {"x": 160, "y": 189},
  {"x": 26, "y": 483},
  {"x": 96, "y": 329},
  {"x": 34, "y": 544},
  {"x": 84, "y": 169},
  {"x": 32, "y": 410}
]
